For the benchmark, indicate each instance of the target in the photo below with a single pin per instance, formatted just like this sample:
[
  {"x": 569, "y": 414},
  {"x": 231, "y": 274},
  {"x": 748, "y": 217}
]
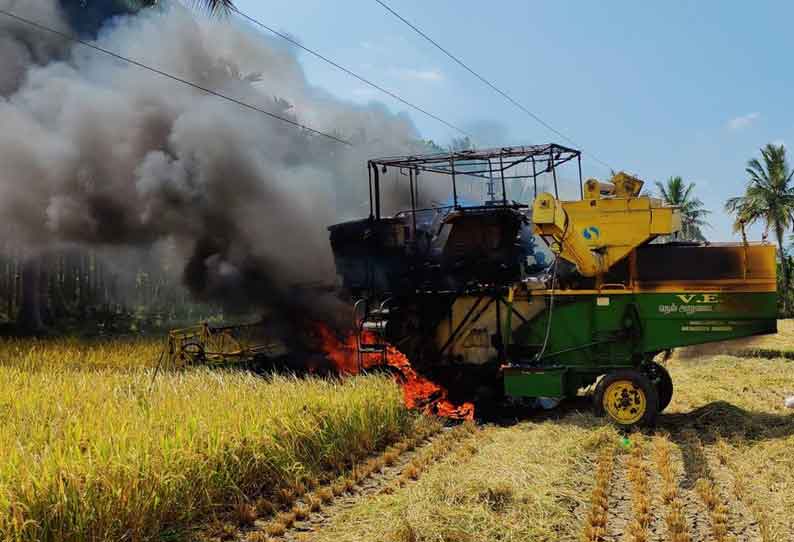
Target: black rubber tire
[
  {"x": 664, "y": 384},
  {"x": 642, "y": 384}
]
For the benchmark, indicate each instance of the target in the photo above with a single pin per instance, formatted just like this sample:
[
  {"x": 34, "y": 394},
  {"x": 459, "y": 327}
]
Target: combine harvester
[{"x": 458, "y": 291}]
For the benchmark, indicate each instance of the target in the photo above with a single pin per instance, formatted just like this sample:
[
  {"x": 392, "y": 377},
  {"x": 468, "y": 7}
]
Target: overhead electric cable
[
  {"x": 488, "y": 83},
  {"x": 196, "y": 86},
  {"x": 351, "y": 73}
]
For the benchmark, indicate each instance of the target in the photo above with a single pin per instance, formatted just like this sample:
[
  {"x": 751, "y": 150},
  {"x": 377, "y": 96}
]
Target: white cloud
[
  {"x": 420, "y": 75},
  {"x": 739, "y": 123}
]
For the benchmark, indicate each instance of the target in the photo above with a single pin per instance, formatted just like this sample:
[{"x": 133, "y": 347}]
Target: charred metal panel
[
  {"x": 482, "y": 245},
  {"x": 370, "y": 254},
  {"x": 658, "y": 263},
  {"x": 472, "y": 245}
]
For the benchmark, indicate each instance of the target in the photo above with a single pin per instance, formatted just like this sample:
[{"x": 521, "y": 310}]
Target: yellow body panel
[
  {"x": 598, "y": 232},
  {"x": 468, "y": 340}
]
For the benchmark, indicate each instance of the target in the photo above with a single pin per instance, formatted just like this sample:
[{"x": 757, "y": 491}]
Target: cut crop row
[
  {"x": 640, "y": 491},
  {"x": 298, "y": 506},
  {"x": 596, "y": 522},
  {"x": 675, "y": 518}
]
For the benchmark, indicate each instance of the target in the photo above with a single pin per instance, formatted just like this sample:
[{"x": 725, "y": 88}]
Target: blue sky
[{"x": 658, "y": 89}]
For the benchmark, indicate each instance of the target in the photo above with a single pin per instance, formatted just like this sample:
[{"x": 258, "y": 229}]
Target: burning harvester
[{"x": 456, "y": 289}]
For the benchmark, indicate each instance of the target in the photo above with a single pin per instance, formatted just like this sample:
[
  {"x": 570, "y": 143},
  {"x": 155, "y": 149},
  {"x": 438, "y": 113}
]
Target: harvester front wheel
[
  {"x": 627, "y": 398},
  {"x": 663, "y": 383}
]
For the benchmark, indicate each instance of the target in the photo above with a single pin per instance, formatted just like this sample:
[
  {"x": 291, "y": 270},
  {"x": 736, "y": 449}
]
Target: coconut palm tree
[
  {"x": 218, "y": 5},
  {"x": 693, "y": 215},
  {"x": 214, "y": 6},
  {"x": 769, "y": 197}
]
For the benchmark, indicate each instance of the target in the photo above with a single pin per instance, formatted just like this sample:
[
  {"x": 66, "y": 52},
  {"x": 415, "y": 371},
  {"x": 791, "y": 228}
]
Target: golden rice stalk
[{"x": 120, "y": 455}]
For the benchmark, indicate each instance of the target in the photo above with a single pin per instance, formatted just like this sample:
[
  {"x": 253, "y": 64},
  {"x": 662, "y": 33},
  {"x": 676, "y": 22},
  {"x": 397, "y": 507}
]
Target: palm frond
[
  {"x": 769, "y": 196},
  {"x": 215, "y": 6},
  {"x": 678, "y": 193}
]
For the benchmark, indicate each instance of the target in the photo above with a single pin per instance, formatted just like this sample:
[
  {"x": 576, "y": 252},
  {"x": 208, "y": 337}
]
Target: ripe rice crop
[
  {"x": 132, "y": 354},
  {"x": 91, "y": 448}
]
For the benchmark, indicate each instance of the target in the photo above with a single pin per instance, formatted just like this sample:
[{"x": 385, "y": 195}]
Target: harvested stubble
[
  {"x": 105, "y": 454},
  {"x": 502, "y": 483},
  {"x": 258, "y": 536},
  {"x": 300, "y": 512},
  {"x": 287, "y": 518},
  {"x": 676, "y": 521},
  {"x": 338, "y": 488},
  {"x": 314, "y": 503},
  {"x": 742, "y": 491},
  {"x": 640, "y": 491},
  {"x": 718, "y": 512},
  {"x": 421, "y": 429},
  {"x": 742, "y": 401},
  {"x": 245, "y": 513},
  {"x": 705, "y": 487},
  {"x": 264, "y": 507},
  {"x": 436, "y": 450},
  {"x": 325, "y": 495},
  {"x": 596, "y": 522},
  {"x": 276, "y": 528},
  {"x": 390, "y": 457}
]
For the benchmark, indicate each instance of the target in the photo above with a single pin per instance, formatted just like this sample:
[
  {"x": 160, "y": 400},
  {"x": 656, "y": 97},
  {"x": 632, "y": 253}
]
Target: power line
[
  {"x": 346, "y": 70},
  {"x": 487, "y": 82},
  {"x": 196, "y": 86}
]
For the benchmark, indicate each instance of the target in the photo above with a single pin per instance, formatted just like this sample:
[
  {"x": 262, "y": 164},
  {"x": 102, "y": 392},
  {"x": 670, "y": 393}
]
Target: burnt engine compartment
[
  {"x": 447, "y": 250},
  {"x": 405, "y": 280}
]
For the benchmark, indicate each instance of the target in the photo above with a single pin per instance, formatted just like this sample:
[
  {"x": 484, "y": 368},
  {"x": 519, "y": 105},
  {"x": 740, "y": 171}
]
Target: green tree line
[{"x": 80, "y": 290}]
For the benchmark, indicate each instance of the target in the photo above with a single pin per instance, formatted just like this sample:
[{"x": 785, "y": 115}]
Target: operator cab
[{"x": 450, "y": 247}]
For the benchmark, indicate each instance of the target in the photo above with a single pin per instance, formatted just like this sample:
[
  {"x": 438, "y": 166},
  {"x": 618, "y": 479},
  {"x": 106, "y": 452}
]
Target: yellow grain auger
[{"x": 604, "y": 227}]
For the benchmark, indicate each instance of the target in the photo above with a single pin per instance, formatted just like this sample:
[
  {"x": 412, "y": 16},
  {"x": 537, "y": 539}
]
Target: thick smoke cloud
[
  {"x": 98, "y": 152},
  {"x": 22, "y": 46}
]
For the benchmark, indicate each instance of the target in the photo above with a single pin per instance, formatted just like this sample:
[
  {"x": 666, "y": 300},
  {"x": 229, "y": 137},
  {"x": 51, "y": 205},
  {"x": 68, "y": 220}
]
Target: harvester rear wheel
[
  {"x": 664, "y": 384},
  {"x": 627, "y": 398}
]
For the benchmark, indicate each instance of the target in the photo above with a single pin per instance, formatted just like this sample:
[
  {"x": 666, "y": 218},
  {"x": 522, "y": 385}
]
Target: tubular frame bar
[{"x": 474, "y": 163}]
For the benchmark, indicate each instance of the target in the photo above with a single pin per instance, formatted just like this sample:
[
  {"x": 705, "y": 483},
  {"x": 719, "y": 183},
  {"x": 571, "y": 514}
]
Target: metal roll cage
[{"x": 483, "y": 164}]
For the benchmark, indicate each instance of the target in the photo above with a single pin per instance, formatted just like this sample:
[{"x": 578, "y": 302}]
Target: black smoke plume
[{"x": 97, "y": 152}]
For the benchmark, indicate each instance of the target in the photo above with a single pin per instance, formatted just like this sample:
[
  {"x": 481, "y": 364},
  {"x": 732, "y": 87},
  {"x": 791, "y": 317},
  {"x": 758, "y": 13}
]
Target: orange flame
[{"x": 418, "y": 392}]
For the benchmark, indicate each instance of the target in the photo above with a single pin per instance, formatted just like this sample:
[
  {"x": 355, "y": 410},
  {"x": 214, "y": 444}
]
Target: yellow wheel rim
[{"x": 625, "y": 402}]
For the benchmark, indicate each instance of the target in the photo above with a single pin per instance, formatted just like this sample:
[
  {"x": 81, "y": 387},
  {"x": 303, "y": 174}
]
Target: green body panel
[
  {"x": 535, "y": 382},
  {"x": 592, "y": 334},
  {"x": 685, "y": 319}
]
